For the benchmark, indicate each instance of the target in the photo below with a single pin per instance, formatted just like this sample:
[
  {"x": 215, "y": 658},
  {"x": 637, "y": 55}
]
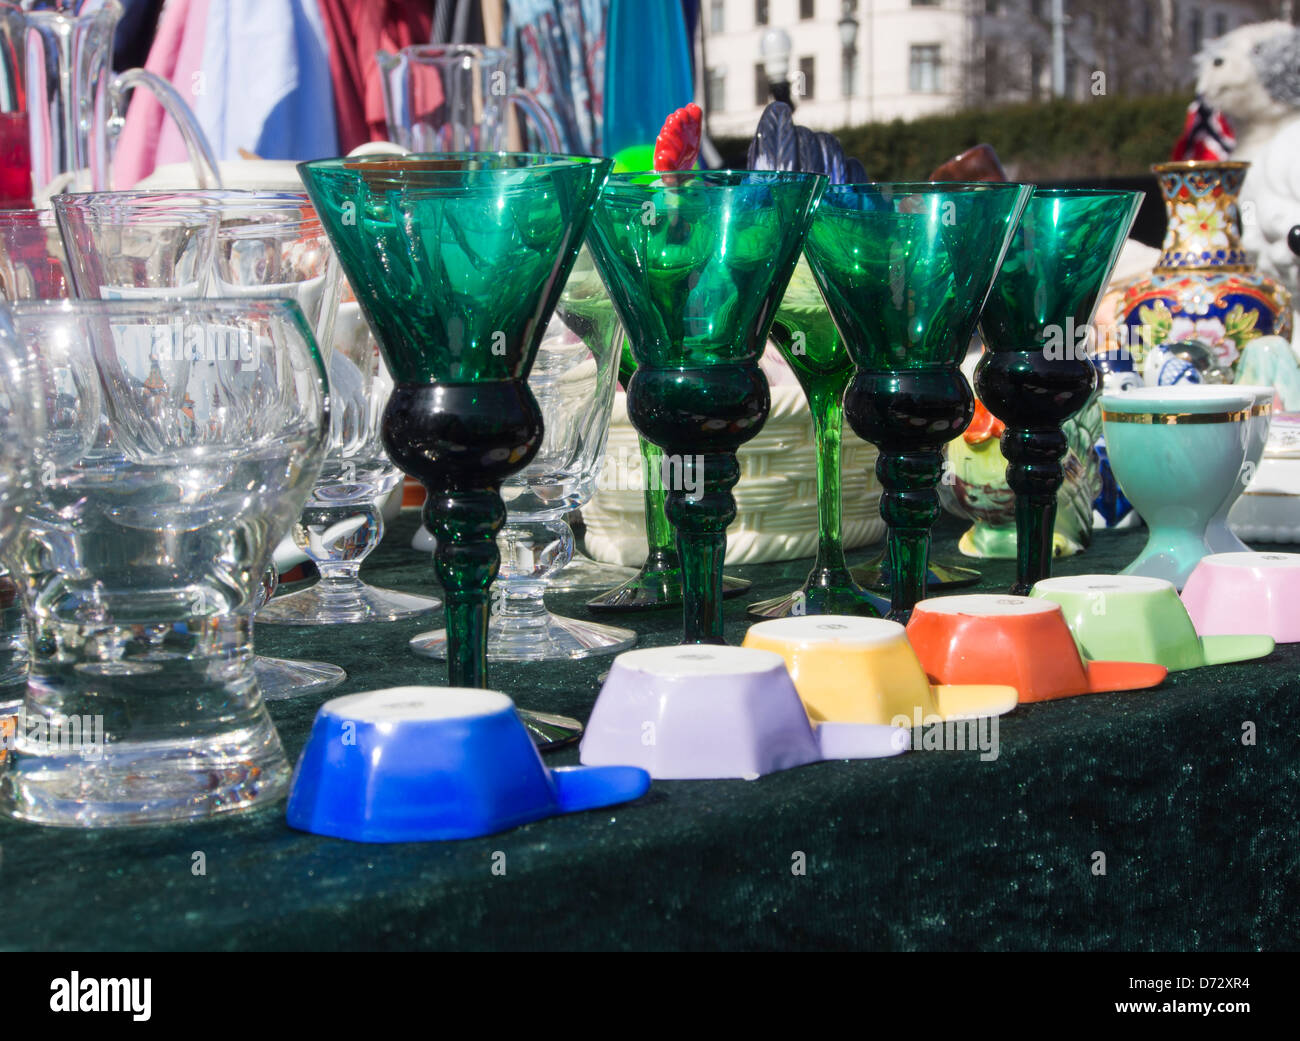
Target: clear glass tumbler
[{"x": 183, "y": 439}]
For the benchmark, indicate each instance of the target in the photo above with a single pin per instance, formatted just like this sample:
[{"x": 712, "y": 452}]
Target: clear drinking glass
[
  {"x": 22, "y": 425},
  {"x": 573, "y": 381},
  {"x": 124, "y": 246},
  {"x": 264, "y": 244},
  {"x": 453, "y": 98},
  {"x": 183, "y": 439},
  {"x": 33, "y": 266}
]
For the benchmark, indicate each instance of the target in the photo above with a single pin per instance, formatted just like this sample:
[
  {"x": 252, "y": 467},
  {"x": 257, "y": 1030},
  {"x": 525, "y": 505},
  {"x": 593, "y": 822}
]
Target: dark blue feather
[
  {"x": 832, "y": 157},
  {"x": 775, "y": 146},
  {"x": 854, "y": 172},
  {"x": 810, "y": 151}
]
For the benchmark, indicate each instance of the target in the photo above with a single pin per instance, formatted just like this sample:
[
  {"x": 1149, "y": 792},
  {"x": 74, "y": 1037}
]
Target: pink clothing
[{"x": 149, "y": 139}]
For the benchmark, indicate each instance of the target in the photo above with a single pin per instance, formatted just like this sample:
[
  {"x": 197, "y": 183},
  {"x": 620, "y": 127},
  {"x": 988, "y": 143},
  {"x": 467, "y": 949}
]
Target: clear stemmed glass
[
  {"x": 458, "y": 260},
  {"x": 905, "y": 270},
  {"x": 696, "y": 264},
  {"x": 343, "y": 521},
  {"x": 183, "y": 438},
  {"x": 1037, "y": 370},
  {"x": 255, "y": 244},
  {"x": 573, "y": 381}
]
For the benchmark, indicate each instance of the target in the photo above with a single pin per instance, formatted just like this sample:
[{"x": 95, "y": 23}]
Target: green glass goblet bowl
[
  {"x": 905, "y": 270},
  {"x": 1037, "y": 370},
  {"x": 458, "y": 260},
  {"x": 696, "y": 264}
]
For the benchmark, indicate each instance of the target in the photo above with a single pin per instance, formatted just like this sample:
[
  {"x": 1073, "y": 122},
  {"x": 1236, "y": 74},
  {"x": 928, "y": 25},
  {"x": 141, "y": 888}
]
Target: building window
[
  {"x": 716, "y": 21},
  {"x": 1220, "y": 24},
  {"x": 761, "y": 88},
  {"x": 760, "y": 12},
  {"x": 923, "y": 68},
  {"x": 804, "y": 89},
  {"x": 1148, "y": 21},
  {"x": 926, "y": 3},
  {"x": 1196, "y": 30},
  {"x": 1035, "y": 76},
  {"x": 715, "y": 90},
  {"x": 991, "y": 64},
  {"x": 806, "y": 9}
]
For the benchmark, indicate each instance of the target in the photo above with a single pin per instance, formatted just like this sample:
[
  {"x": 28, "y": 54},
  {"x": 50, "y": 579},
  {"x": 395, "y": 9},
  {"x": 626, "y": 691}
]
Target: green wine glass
[
  {"x": 805, "y": 334},
  {"x": 1037, "y": 370},
  {"x": 696, "y": 264},
  {"x": 905, "y": 270},
  {"x": 457, "y": 260}
]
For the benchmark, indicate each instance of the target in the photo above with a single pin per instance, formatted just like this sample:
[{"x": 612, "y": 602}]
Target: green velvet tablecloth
[{"x": 930, "y": 850}]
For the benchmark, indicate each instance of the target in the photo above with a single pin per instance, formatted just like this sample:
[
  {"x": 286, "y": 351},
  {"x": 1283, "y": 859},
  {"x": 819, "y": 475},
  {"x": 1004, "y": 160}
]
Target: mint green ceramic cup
[
  {"x": 1176, "y": 456},
  {"x": 1136, "y": 618}
]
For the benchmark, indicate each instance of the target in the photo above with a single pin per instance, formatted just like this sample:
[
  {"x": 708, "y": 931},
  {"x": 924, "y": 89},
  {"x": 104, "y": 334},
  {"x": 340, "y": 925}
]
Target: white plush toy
[{"x": 1252, "y": 75}]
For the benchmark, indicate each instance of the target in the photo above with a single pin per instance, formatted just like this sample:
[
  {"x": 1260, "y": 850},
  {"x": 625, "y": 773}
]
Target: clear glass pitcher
[
  {"x": 56, "y": 77},
  {"x": 453, "y": 99}
]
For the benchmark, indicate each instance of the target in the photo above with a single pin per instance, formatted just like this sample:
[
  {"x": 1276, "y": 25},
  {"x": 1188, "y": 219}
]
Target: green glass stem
[
  {"x": 1033, "y": 394},
  {"x": 909, "y": 504},
  {"x": 466, "y": 523},
  {"x": 701, "y": 522},
  {"x": 658, "y": 529},
  {"x": 826, "y": 400},
  {"x": 425, "y": 430},
  {"x": 909, "y": 416}
]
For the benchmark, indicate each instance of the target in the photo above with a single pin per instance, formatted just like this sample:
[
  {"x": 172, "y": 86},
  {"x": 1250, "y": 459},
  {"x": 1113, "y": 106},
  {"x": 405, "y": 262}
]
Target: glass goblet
[
  {"x": 1037, "y": 371},
  {"x": 573, "y": 381},
  {"x": 428, "y": 243},
  {"x": 807, "y": 338},
  {"x": 343, "y": 521},
  {"x": 183, "y": 438},
  {"x": 696, "y": 264},
  {"x": 905, "y": 270}
]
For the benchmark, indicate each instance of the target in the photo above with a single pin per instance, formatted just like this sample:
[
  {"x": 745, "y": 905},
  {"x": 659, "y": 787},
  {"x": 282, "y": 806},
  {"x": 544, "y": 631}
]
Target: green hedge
[{"x": 1043, "y": 141}]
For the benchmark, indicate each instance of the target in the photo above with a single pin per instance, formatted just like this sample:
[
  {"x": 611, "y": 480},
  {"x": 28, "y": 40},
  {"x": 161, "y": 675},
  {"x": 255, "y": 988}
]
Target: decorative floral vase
[{"x": 1205, "y": 286}]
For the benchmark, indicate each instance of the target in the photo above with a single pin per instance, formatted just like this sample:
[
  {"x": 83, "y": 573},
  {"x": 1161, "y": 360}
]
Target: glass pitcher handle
[
  {"x": 527, "y": 101},
  {"x": 202, "y": 161}
]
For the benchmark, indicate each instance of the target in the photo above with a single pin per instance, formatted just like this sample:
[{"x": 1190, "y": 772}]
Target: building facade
[{"x": 912, "y": 58}]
